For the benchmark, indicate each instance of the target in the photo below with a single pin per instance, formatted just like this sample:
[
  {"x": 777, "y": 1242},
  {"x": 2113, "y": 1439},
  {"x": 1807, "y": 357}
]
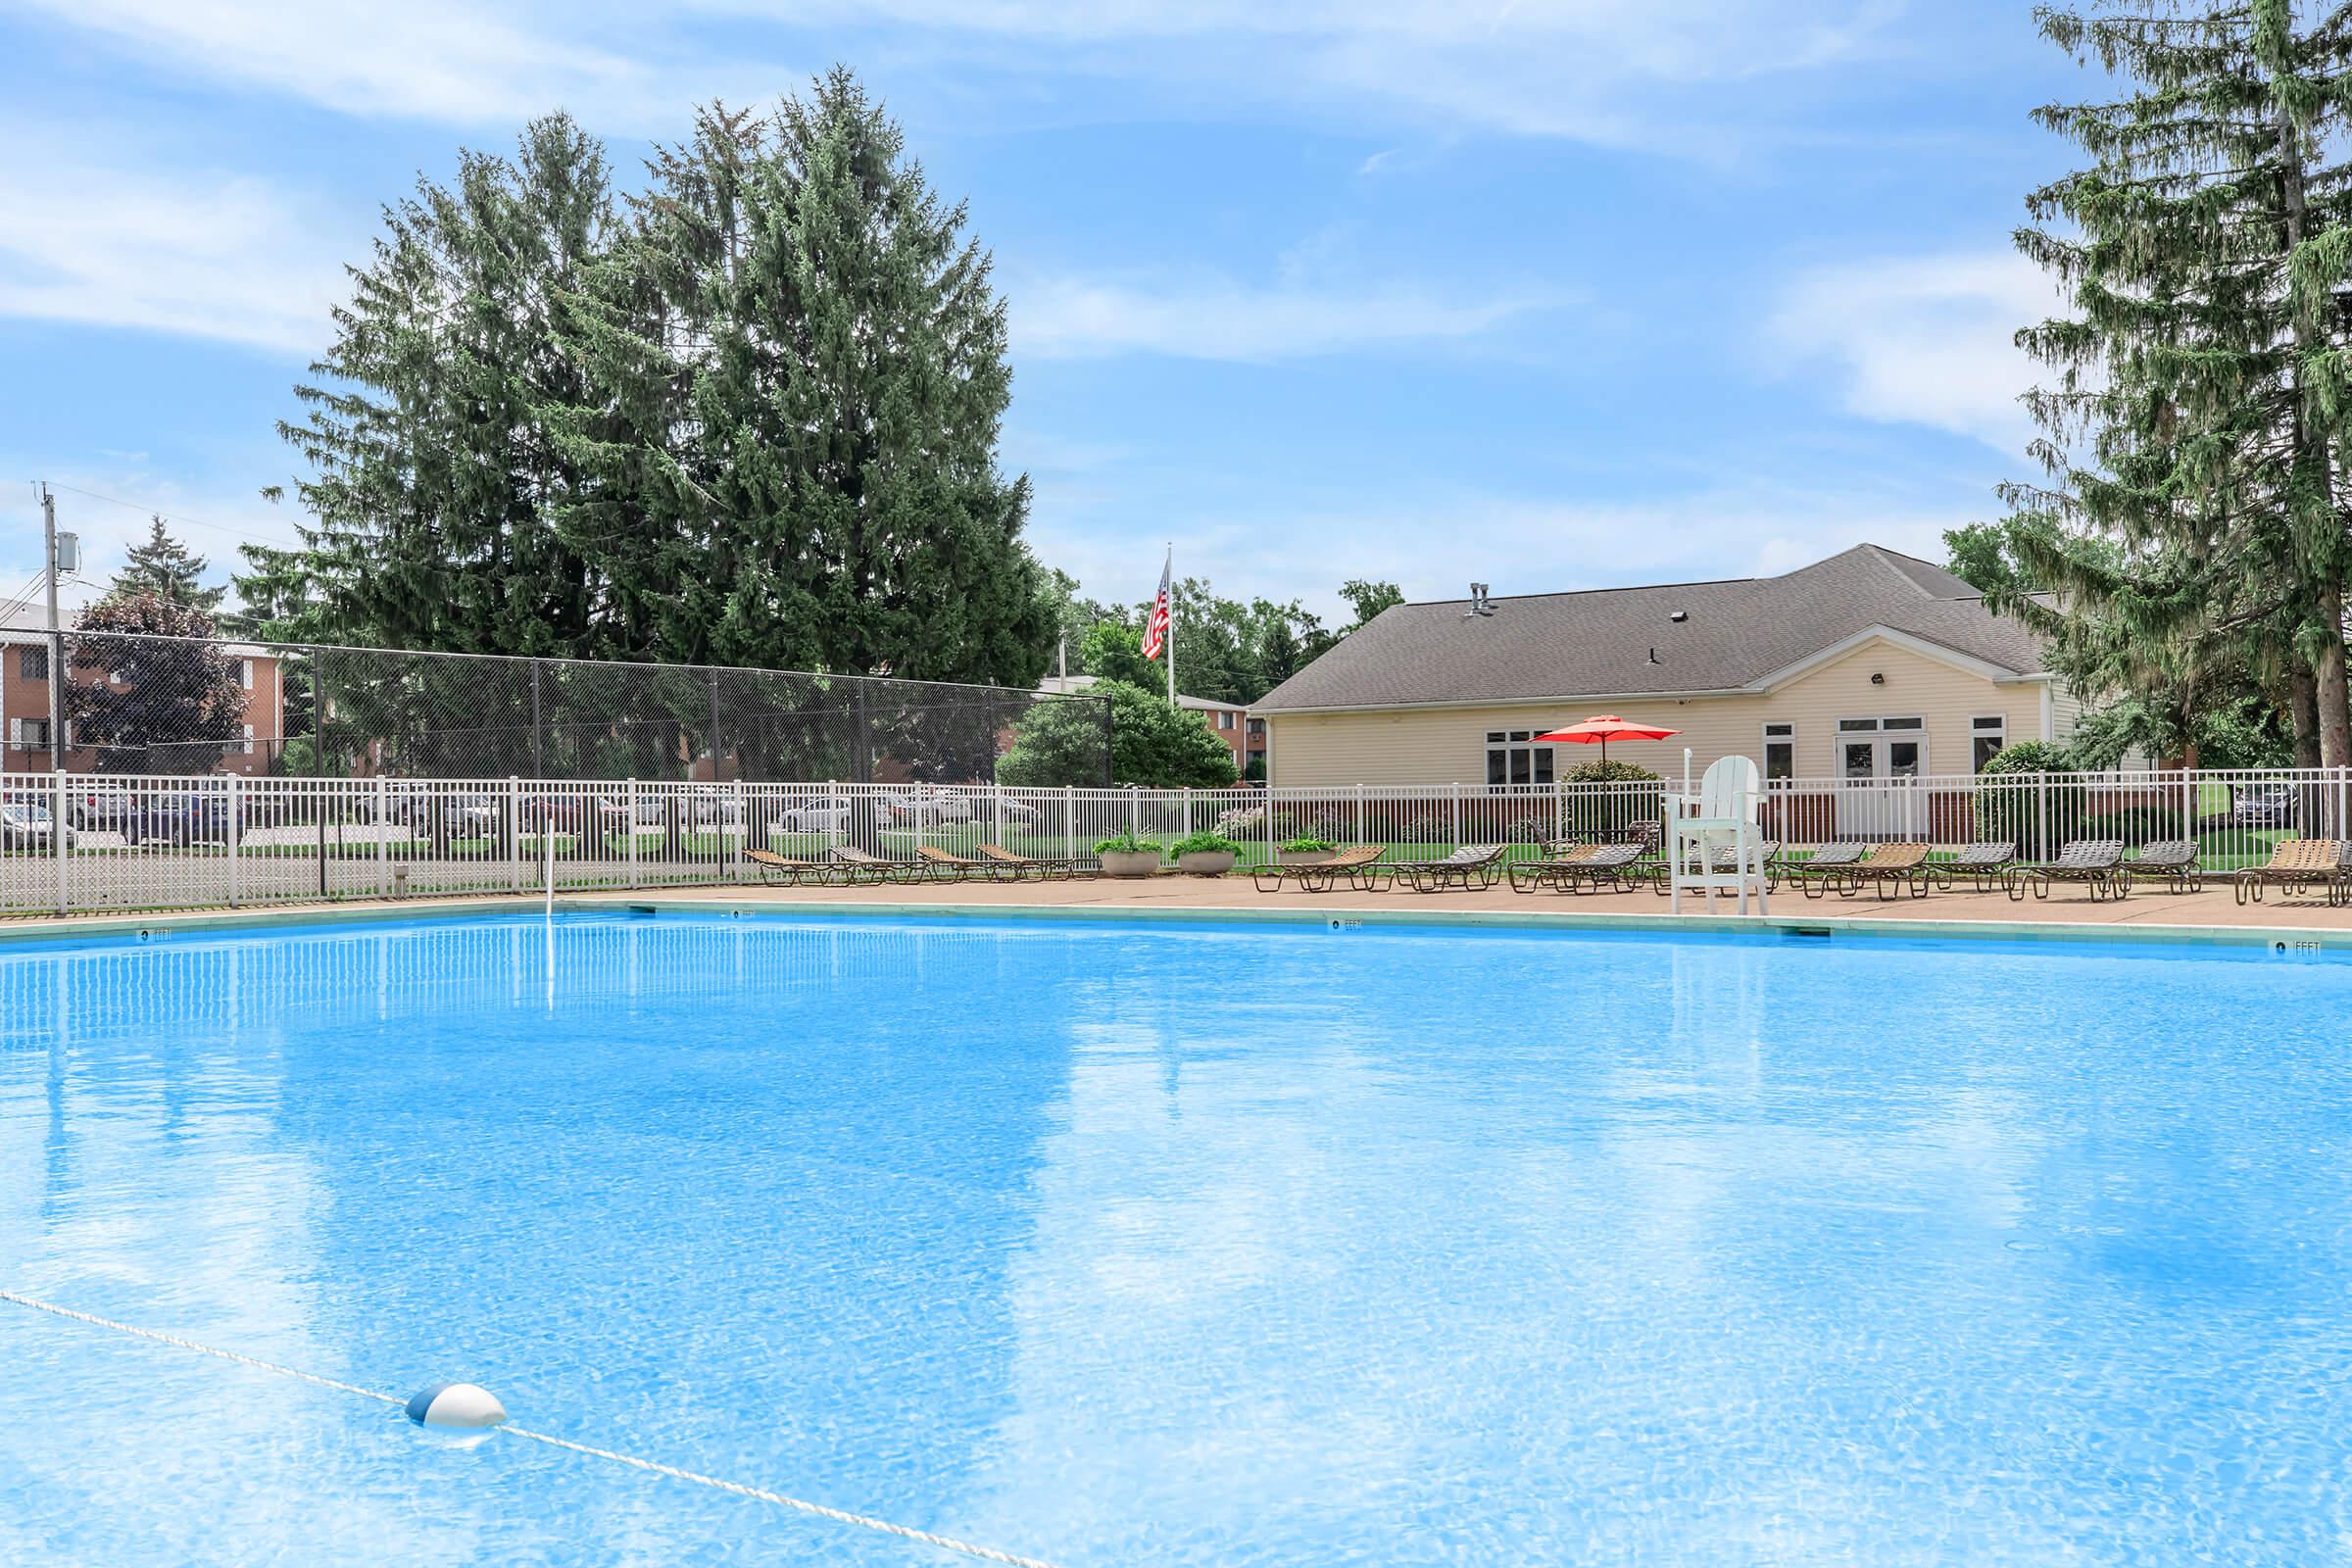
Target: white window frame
[
  {"x": 1987, "y": 726},
  {"x": 1540, "y": 760},
  {"x": 1786, "y": 736},
  {"x": 248, "y": 748},
  {"x": 245, "y": 673}
]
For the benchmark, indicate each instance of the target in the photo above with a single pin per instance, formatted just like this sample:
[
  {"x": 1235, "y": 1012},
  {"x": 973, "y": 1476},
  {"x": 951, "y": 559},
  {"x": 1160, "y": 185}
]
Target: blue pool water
[{"x": 1113, "y": 1244}]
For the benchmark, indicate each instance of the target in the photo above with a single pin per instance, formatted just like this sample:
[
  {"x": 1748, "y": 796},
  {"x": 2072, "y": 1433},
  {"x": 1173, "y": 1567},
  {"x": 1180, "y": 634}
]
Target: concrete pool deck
[{"x": 2149, "y": 915}]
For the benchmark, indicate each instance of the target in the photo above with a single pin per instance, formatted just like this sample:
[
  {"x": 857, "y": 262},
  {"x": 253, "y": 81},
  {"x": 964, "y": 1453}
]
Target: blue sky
[{"x": 1547, "y": 295}]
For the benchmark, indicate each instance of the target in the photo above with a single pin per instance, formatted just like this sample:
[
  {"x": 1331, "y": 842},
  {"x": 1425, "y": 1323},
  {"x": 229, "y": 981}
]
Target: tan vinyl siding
[{"x": 1442, "y": 746}]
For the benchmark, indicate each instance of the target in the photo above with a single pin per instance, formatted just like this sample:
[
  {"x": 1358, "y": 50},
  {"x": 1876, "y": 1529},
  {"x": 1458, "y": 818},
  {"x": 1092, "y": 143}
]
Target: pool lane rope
[{"x": 655, "y": 1467}]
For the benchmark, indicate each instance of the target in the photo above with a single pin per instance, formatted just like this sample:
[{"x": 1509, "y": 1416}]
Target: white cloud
[
  {"x": 1924, "y": 340},
  {"x": 1212, "y": 317},
  {"x": 1573, "y": 67},
  {"x": 194, "y": 252},
  {"x": 430, "y": 57}
]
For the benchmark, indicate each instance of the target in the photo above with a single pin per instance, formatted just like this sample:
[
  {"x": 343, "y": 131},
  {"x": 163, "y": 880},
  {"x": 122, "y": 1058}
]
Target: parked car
[
  {"x": 103, "y": 807},
  {"x": 195, "y": 817},
  {"x": 454, "y": 814},
  {"x": 2263, "y": 805},
  {"x": 28, "y": 825},
  {"x": 833, "y": 816},
  {"x": 930, "y": 805}
]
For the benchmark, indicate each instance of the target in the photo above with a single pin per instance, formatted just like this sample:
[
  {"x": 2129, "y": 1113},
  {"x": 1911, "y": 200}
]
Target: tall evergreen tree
[
  {"x": 808, "y": 354},
  {"x": 437, "y": 487},
  {"x": 166, "y": 569},
  {"x": 2197, "y": 431}
]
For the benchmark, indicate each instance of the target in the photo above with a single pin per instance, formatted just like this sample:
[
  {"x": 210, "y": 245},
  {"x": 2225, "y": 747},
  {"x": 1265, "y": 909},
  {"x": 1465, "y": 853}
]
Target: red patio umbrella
[{"x": 1608, "y": 727}]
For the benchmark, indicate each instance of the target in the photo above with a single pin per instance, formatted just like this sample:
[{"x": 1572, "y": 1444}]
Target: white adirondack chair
[{"x": 1725, "y": 814}]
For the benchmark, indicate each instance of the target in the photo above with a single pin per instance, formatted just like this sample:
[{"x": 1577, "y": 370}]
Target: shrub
[
  {"x": 2038, "y": 820},
  {"x": 1309, "y": 846},
  {"x": 1126, "y": 844},
  {"x": 1204, "y": 844},
  {"x": 1600, "y": 772}
]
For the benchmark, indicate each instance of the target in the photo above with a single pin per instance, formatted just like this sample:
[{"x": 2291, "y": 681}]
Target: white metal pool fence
[{"x": 205, "y": 840}]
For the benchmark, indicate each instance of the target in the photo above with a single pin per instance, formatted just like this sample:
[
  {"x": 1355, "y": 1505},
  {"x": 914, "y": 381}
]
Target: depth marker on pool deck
[{"x": 817, "y": 1509}]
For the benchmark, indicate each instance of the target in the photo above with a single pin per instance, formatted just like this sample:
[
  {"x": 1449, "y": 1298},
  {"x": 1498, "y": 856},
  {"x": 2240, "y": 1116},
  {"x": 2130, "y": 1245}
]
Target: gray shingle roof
[{"x": 1597, "y": 642}]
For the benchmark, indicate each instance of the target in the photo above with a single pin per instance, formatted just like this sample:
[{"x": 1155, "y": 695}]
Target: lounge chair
[
  {"x": 2174, "y": 861},
  {"x": 1354, "y": 864},
  {"x": 1984, "y": 864},
  {"x": 777, "y": 869},
  {"x": 1471, "y": 865},
  {"x": 943, "y": 867},
  {"x": 1619, "y": 867},
  {"x": 869, "y": 867},
  {"x": 1897, "y": 867},
  {"x": 1548, "y": 870},
  {"x": 2097, "y": 863},
  {"x": 1043, "y": 868},
  {"x": 2296, "y": 865},
  {"x": 1825, "y": 861}
]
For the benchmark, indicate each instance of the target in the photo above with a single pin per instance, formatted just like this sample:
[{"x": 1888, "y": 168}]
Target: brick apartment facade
[{"x": 24, "y": 708}]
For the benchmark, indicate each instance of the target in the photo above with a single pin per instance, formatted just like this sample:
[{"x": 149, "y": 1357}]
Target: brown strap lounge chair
[
  {"x": 1354, "y": 866},
  {"x": 1618, "y": 867},
  {"x": 1471, "y": 865},
  {"x": 1044, "y": 869},
  {"x": 2097, "y": 863},
  {"x": 2296, "y": 865},
  {"x": 1888, "y": 869},
  {"x": 941, "y": 866},
  {"x": 2173, "y": 862},
  {"x": 1984, "y": 864},
  {"x": 777, "y": 869},
  {"x": 1548, "y": 870}
]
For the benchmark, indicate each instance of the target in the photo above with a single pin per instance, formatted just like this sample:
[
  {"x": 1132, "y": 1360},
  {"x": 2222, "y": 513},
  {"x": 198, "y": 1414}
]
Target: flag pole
[{"x": 1168, "y": 570}]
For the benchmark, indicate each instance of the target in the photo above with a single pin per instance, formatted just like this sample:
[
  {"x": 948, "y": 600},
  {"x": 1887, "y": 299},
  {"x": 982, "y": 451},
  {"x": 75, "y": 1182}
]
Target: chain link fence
[{"x": 105, "y": 703}]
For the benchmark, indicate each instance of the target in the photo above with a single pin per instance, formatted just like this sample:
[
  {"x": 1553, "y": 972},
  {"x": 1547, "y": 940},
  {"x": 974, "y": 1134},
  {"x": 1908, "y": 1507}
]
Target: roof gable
[{"x": 1731, "y": 636}]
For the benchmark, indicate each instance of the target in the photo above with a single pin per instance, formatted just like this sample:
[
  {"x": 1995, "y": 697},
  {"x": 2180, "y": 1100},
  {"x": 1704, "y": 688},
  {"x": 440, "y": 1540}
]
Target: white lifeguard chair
[{"x": 1725, "y": 814}]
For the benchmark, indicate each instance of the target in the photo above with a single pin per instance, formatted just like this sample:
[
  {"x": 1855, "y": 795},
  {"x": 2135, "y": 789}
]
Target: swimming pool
[{"x": 1117, "y": 1243}]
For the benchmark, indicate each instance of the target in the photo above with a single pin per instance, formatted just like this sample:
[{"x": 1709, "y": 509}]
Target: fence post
[
  {"x": 1069, "y": 820},
  {"x": 1135, "y": 810},
  {"x": 632, "y": 832},
  {"x": 57, "y": 833},
  {"x": 2042, "y": 833},
  {"x": 1268, "y": 825},
  {"x": 1360, "y": 810},
  {"x": 514, "y": 812},
  {"x": 837, "y": 809},
  {"x": 1456, "y": 789},
  {"x": 1188, "y": 814},
  {"x": 236, "y": 833},
  {"x": 742, "y": 833},
  {"x": 996, "y": 797}
]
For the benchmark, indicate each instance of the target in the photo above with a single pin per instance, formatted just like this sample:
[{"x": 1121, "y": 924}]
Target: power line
[{"x": 168, "y": 517}]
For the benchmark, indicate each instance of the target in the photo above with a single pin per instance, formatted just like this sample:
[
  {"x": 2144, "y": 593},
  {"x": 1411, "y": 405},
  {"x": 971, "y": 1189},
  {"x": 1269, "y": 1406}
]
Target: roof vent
[
  {"x": 1679, "y": 616},
  {"x": 1480, "y": 604}
]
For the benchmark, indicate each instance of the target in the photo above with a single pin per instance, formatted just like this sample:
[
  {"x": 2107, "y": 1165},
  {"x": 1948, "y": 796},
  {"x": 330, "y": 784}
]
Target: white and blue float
[{"x": 457, "y": 1407}]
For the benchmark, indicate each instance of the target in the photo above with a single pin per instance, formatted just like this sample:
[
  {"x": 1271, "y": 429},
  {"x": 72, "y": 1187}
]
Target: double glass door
[{"x": 1880, "y": 764}]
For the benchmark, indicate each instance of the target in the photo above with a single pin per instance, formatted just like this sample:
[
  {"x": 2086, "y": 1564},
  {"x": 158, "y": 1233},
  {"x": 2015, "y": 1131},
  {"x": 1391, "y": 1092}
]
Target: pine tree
[
  {"x": 810, "y": 360},
  {"x": 436, "y": 483},
  {"x": 168, "y": 570},
  {"x": 2199, "y": 533}
]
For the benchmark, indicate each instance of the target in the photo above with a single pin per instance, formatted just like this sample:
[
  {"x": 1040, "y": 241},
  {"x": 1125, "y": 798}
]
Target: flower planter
[
  {"x": 1207, "y": 863},
  {"x": 1304, "y": 856},
  {"x": 1130, "y": 862}
]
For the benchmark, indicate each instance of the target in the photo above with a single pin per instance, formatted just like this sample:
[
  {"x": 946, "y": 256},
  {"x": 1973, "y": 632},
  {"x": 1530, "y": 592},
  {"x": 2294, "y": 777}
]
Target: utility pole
[{"x": 56, "y": 646}]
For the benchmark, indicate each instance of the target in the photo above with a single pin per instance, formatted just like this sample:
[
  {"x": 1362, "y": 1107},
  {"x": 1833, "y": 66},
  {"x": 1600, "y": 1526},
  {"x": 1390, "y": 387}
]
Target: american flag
[{"x": 1156, "y": 630}]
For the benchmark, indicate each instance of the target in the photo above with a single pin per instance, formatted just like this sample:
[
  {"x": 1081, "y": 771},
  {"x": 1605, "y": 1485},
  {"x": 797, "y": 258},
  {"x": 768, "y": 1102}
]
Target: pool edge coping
[{"x": 71, "y": 928}]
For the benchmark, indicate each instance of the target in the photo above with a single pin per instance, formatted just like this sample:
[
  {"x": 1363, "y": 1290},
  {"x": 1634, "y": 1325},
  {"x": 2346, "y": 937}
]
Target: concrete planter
[
  {"x": 1304, "y": 856},
  {"x": 1207, "y": 863},
  {"x": 1130, "y": 862}
]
